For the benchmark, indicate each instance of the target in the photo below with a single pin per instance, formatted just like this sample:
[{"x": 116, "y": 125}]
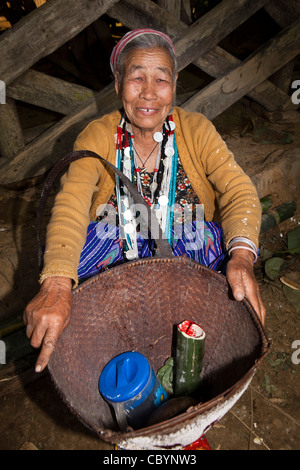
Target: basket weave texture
[{"x": 135, "y": 307}]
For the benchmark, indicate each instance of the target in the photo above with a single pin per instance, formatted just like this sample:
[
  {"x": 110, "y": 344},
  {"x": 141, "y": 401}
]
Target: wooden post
[{"x": 11, "y": 135}]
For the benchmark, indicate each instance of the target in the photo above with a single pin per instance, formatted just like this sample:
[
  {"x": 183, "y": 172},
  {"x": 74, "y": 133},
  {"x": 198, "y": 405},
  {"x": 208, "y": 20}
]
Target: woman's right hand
[{"x": 47, "y": 315}]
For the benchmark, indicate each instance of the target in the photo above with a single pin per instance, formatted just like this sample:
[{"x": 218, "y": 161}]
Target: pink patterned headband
[{"x": 128, "y": 37}]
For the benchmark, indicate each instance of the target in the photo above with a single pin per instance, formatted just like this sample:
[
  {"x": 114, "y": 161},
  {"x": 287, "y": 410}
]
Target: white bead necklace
[{"x": 129, "y": 165}]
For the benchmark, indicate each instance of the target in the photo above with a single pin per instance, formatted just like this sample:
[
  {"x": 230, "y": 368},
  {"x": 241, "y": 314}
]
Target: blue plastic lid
[{"x": 124, "y": 377}]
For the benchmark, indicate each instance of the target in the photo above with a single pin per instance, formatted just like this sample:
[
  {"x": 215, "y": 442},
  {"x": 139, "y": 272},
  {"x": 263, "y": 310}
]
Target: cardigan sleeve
[
  {"x": 66, "y": 231},
  {"x": 222, "y": 186},
  {"x": 236, "y": 195}
]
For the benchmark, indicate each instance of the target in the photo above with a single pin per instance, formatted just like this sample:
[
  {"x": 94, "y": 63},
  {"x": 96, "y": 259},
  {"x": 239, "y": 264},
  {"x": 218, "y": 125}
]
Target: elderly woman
[{"x": 176, "y": 159}]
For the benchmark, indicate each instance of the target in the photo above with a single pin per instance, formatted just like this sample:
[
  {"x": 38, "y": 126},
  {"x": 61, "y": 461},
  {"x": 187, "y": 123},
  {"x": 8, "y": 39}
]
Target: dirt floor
[{"x": 267, "y": 416}]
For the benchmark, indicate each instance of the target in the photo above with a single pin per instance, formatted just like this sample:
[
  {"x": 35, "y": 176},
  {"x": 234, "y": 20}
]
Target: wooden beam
[
  {"x": 219, "y": 62},
  {"x": 283, "y": 77},
  {"x": 283, "y": 13},
  {"x": 186, "y": 13},
  {"x": 11, "y": 135},
  {"x": 57, "y": 95},
  {"x": 215, "y": 62},
  {"x": 40, "y": 154},
  {"x": 231, "y": 87},
  {"x": 52, "y": 93},
  {"x": 43, "y": 30},
  {"x": 210, "y": 29},
  {"x": 172, "y": 6}
]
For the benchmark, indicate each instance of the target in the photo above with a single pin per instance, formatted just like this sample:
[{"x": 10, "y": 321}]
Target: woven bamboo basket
[{"x": 135, "y": 307}]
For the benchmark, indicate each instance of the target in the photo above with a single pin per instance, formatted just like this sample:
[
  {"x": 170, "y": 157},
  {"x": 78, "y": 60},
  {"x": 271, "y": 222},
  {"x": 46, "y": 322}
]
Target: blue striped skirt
[{"x": 201, "y": 241}]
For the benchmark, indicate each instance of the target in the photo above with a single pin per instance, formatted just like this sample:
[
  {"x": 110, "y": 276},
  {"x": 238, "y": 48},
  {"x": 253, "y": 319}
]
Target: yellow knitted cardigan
[{"x": 220, "y": 183}]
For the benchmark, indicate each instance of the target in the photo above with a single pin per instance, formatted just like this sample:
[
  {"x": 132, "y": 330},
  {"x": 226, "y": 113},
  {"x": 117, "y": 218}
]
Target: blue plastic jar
[{"x": 129, "y": 384}]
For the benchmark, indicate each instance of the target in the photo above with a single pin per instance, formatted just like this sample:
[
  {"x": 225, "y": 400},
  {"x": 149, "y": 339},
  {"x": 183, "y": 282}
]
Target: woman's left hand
[{"x": 241, "y": 279}]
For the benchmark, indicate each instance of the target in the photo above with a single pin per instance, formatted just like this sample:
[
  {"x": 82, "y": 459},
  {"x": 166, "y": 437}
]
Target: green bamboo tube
[
  {"x": 274, "y": 216},
  {"x": 266, "y": 203},
  {"x": 188, "y": 358}
]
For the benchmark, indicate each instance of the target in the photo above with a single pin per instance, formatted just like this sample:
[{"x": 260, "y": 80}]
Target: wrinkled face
[{"x": 147, "y": 88}]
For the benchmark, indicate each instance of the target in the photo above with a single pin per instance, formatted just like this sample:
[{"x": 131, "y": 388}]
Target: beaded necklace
[
  {"x": 163, "y": 186},
  {"x": 144, "y": 163}
]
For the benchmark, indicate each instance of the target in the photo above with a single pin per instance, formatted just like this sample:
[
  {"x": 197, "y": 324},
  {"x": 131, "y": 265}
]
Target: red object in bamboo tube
[{"x": 191, "y": 329}]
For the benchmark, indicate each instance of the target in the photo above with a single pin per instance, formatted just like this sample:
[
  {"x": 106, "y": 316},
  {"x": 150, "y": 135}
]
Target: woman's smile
[{"x": 147, "y": 89}]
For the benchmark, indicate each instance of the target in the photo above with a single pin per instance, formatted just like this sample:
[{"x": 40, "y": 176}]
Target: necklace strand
[
  {"x": 144, "y": 163},
  {"x": 153, "y": 185},
  {"x": 163, "y": 182}
]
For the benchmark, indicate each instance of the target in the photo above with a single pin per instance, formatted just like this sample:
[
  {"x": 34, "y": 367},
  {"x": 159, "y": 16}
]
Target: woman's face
[{"x": 147, "y": 88}]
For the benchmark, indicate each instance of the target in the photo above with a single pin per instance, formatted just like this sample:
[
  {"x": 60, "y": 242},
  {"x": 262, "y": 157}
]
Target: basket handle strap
[{"x": 163, "y": 248}]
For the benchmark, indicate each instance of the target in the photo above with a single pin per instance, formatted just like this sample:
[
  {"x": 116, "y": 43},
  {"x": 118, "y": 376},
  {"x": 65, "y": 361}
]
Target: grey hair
[{"x": 145, "y": 41}]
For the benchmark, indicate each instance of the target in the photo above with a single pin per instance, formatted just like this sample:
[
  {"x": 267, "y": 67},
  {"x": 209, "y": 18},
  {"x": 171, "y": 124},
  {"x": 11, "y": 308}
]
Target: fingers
[
  {"x": 238, "y": 289},
  {"x": 49, "y": 343},
  {"x": 45, "y": 317},
  {"x": 45, "y": 334},
  {"x": 243, "y": 284}
]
